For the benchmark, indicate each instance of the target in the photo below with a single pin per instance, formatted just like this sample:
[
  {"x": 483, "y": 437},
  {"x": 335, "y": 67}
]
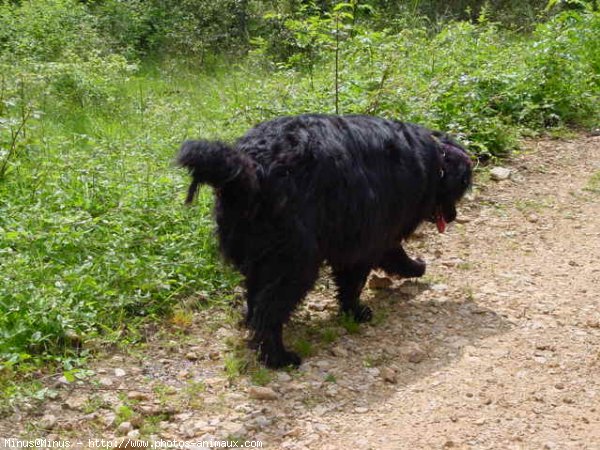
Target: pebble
[
  {"x": 183, "y": 374},
  {"x": 261, "y": 422},
  {"x": 137, "y": 395},
  {"x": 361, "y": 409},
  {"x": 232, "y": 429},
  {"x": 108, "y": 420},
  {"x": 133, "y": 434},
  {"x": 262, "y": 393},
  {"x": 283, "y": 377},
  {"x": 500, "y": 173},
  {"x": 322, "y": 364},
  {"x": 389, "y": 375},
  {"x": 340, "y": 352},
  {"x": 124, "y": 428},
  {"x": 439, "y": 287},
  {"x": 317, "y": 306},
  {"x": 192, "y": 356},
  {"x": 409, "y": 288},
  {"x": 48, "y": 421},
  {"x": 75, "y": 402},
  {"x": 105, "y": 381},
  {"x": 414, "y": 353},
  {"x": 120, "y": 373},
  {"x": 377, "y": 282}
]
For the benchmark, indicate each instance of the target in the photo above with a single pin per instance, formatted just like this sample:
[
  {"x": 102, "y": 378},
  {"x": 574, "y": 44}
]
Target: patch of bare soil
[{"x": 497, "y": 347}]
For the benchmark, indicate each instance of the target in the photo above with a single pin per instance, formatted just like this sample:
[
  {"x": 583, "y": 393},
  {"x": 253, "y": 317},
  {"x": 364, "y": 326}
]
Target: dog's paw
[
  {"x": 363, "y": 314},
  {"x": 280, "y": 359},
  {"x": 418, "y": 268}
]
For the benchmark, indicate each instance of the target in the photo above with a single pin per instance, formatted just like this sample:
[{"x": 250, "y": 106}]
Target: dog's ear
[{"x": 457, "y": 167}]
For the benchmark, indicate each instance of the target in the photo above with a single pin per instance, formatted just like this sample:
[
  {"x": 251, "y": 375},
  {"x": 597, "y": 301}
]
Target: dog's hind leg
[
  {"x": 350, "y": 281},
  {"x": 396, "y": 262},
  {"x": 272, "y": 305}
]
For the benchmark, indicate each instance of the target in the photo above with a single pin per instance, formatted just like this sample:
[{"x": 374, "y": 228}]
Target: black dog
[{"x": 297, "y": 191}]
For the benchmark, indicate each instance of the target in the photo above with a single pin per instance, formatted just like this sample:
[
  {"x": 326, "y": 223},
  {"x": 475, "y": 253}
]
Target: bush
[{"x": 45, "y": 30}]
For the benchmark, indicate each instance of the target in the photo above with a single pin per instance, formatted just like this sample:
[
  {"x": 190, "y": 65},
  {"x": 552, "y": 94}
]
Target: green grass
[
  {"x": 593, "y": 184},
  {"x": 304, "y": 347},
  {"x": 348, "y": 322},
  {"x": 94, "y": 238},
  {"x": 260, "y": 376}
]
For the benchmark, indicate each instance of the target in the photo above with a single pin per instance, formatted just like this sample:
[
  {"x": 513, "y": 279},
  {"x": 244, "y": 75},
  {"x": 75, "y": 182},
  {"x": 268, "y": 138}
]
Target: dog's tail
[{"x": 219, "y": 165}]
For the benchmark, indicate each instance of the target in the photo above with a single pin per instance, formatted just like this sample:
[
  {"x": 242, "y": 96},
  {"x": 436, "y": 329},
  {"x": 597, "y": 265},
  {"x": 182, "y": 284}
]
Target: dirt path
[
  {"x": 523, "y": 371},
  {"x": 497, "y": 347}
]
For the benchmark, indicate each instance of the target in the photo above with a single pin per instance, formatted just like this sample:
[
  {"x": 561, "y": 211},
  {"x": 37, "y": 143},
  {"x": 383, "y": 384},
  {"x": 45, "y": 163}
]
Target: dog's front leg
[{"x": 396, "y": 262}]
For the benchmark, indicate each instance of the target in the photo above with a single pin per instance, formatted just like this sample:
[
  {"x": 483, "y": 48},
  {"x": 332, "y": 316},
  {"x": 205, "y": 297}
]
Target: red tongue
[{"x": 440, "y": 222}]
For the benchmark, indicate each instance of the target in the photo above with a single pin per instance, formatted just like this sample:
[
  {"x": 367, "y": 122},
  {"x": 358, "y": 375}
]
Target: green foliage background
[{"x": 96, "y": 96}]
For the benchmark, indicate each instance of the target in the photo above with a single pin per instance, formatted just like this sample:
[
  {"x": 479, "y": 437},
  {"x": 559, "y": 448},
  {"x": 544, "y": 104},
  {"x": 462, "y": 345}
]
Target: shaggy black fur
[{"x": 295, "y": 192}]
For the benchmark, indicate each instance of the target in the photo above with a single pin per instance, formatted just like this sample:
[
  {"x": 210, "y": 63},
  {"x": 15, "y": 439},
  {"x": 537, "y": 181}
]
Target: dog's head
[{"x": 455, "y": 178}]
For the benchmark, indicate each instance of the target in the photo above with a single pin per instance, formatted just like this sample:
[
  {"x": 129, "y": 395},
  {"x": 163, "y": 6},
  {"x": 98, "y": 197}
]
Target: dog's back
[{"x": 344, "y": 183}]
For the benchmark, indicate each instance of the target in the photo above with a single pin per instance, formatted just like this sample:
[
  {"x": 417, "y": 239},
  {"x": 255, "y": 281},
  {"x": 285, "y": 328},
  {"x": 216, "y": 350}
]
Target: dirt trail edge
[{"x": 497, "y": 347}]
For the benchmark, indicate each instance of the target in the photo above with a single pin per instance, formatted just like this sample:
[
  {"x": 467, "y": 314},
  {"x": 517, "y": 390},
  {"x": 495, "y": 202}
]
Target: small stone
[
  {"x": 136, "y": 395},
  {"x": 192, "y": 356},
  {"x": 108, "y": 420},
  {"x": 297, "y": 431},
  {"x": 361, "y": 409},
  {"x": 439, "y": 287},
  {"x": 500, "y": 173},
  {"x": 533, "y": 218},
  {"x": 262, "y": 393},
  {"x": 261, "y": 422},
  {"x": 75, "y": 402},
  {"x": 389, "y": 375},
  {"x": 409, "y": 288},
  {"x": 183, "y": 374},
  {"x": 283, "y": 377},
  {"x": 339, "y": 351},
  {"x": 317, "y": 306},
  {"x": 448, "y": 444},
  {"x": 323, "y": 364},
  {"x": 416, "y": 355},
  {"x": 120, "y": 373},
  {"x": 559, "y": 386},
  {"x": 133, "y": 434},
  {"x": 593, "y": 323},
  {"x": 48, "y": 422},
  {"x": 232, "y": 429},
  {"x": 377, "y": 282},
  {"x": 124, "y": 428},
  {"x": 480, "y": 421},
  {"x": 105, "y": 381}
]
